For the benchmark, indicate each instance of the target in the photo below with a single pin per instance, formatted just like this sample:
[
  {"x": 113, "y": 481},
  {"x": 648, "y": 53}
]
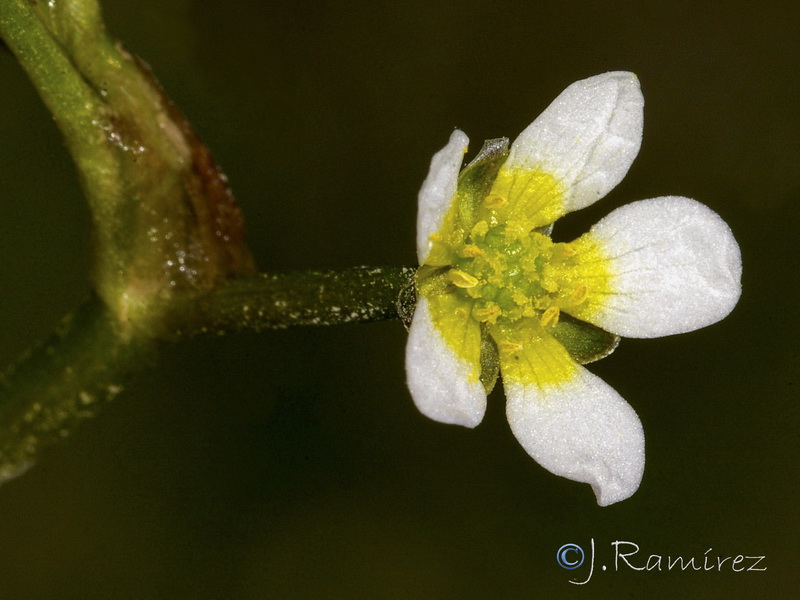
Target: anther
[
  {"x": 566, "y": 250},
  {"x": 550, "y": 316},
  {"x": 579, "y": 295},
  {"x": 495, "y": 201},
  {"x": 462, "y": 279},
  {"x": 487, "y": 314},
  {"x": 471, "y": 251},
  {"x": 509, "y": 347},
  {"x": 479, "y": 230}
]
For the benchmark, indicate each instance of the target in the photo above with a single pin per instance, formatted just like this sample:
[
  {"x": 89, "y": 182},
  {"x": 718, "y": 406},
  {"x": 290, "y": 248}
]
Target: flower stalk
[{"x": 279, "y": 301}]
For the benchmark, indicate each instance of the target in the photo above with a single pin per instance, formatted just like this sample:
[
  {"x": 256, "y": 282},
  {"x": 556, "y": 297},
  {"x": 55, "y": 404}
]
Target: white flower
[{"x": 494, "y": 289}]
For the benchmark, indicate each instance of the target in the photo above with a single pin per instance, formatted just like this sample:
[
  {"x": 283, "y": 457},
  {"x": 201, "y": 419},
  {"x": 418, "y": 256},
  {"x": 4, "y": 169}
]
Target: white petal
[
  {"x": 676, "y": 267},
  {"x": 582, "y": 430},
  {"x": 438, "y": 191},
  {"x": 587, "y": 138},
  {"x": 444, "y": 386}
]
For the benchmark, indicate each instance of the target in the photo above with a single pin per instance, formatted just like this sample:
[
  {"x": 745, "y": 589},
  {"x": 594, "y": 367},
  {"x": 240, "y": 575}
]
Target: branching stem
[{"x": 169, "y": 255}]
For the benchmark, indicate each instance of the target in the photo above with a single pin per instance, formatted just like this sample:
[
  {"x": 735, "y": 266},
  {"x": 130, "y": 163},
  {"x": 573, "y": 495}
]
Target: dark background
[{"x": 293, "y": 464}]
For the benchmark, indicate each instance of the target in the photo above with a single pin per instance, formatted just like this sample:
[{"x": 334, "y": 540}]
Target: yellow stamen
[
  {"x": 479, "y": 230},
  {"x": 462, "y": 279},
  {"x": 471, "y": 251},
  {"x": 509, "y": 347},
  {"x": 579, "y": 295},
  {"x": 519, "y": 298},
  {"x": 550, "y": 316},
  {"x": 487, "y": 314},
  {"x": 565, "y": 250},
  {"x": 495, "y": 201}
]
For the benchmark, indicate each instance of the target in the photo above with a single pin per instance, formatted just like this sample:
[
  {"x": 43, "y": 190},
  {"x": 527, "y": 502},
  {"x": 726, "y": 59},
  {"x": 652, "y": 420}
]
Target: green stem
[
  {"x": 62, "y": 382},
  {"x": 92, "y": 357},
  {"x": 163, "y": 217},
  {"x": 169, "y": 252},
  {"x": 78, "y": 109},
  {"x": 277, "y": 301},
  {"x": 72, "y": 102}
]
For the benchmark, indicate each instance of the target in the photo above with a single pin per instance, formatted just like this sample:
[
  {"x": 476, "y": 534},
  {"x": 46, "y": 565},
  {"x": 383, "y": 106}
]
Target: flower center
[{"x": 510, "y": 275}]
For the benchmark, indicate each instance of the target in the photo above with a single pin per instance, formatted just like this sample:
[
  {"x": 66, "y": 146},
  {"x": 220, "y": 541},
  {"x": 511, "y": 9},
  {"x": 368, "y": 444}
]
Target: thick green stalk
[
  {"x": 74, "y": 105},
  {"x": 164, "y": 220}
]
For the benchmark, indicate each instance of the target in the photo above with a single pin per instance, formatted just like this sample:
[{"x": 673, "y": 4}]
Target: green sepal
[
  {"x": 490, "y": 361},
  {"x": 476, "y": 179},
  {"x": 585, "y": 342}
]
